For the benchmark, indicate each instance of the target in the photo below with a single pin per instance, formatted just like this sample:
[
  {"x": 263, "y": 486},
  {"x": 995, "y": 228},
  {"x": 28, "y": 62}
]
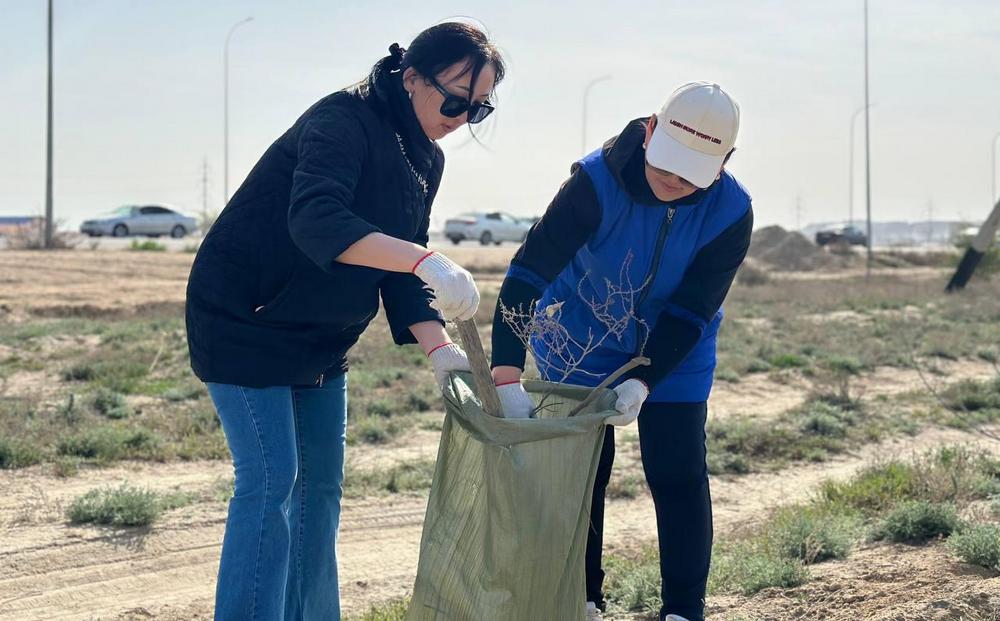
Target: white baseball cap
[{"x": 695, "y": 129}]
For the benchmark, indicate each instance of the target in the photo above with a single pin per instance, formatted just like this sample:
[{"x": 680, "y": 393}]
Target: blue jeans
[{"x": 279, "y": 556}]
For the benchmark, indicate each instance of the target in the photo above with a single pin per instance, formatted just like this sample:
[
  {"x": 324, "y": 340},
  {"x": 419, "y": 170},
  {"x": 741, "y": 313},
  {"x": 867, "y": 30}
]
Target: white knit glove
[
  {"x": 446, "y": 359},
  {"x": 455, "y": 291},
  {"x": 514, "y": 401},
  {"x": 631, "y": 395}
]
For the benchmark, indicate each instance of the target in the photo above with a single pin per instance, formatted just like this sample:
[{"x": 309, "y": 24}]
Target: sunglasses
[{"x": 454, "y": 106}]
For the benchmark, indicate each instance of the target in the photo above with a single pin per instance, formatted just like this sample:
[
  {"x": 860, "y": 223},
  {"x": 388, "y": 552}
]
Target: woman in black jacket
[{"x": 332, "y": 217}]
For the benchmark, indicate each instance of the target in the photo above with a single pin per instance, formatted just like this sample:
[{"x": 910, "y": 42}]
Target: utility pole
[
  {"x": 225, "y": 112},
  {"x": 868, "y": 157},
  {"x": 204, "y": 191},
  {"x": 930, "y": 222},
  {"x": 48, "y": 144},
  {"x": 850, "y": 168},
  {"x": 798, "y": 213}
]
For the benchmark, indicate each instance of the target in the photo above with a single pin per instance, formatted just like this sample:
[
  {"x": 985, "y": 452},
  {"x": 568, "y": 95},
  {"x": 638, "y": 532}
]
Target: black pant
[{"x": 672, "y": 440}]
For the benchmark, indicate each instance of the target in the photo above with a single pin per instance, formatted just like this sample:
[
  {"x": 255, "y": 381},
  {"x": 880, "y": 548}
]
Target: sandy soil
[{"x": 52, "y": 570}]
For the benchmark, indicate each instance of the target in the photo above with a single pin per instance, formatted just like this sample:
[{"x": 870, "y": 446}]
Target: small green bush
[
  {"x": 372, "y": 429},
  {"x": 974, "y": 396},
  {"x": 184, "y": 393},
  {"x": 122, "y": 506},
  {"x": 872, "y": 490},
  {"x": 109, "y": 443},
  {"x": 18, "y": 454},
  {"x": 633, "y": 584},
  {"x": 382, "y": 407},
  {"x": 410, "y": 477},
  {"x": 146, "y": 246},
  {"x": 111, "y": 404},
  {"x": 978, "y": 545},
  {"x": 394, "y": 610},
  {"x": 916, "y": 521},
  {"x": 406, "y": 477},
  {"x": 788, "y": 361},
  {"x": 811, "y": 535},
  {"x": 747, "y": 569},
  {"x": 625, "y": 485}
]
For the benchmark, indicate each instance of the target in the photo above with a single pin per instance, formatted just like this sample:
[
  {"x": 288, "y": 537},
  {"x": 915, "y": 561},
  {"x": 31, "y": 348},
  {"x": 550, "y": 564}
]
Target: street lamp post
[
  {"x": 850, "y": 167},
  {"x": 225, "y": 111},
  {"x": 868, "y": 167},
  {"x": 48, "y": 144},
  {"x": 586, "y": 92},
  {"x": 993, "y": 197}
]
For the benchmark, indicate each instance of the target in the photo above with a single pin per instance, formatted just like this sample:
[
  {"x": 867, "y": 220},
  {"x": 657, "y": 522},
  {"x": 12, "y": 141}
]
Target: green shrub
[
  {"x": 111, "y": 404},
  {"x": 633, "y": 584},
  {"x": 18, "y": 454},
  {"x": 973, "y": 396},
  {"x": 810, "y": 534},
  {"x": 406, "y": 477},
  {"x": 978, "y": 545},
  {"x": 109, "y": 443},
  {"x": 122, "y": 506},
  {"x": 956, "y": 474},
  {"x": 120, "y": 372},
  {"x": 410, "y": 477},
  {"x": 788, "y": 361},
  {"x": 846, "y": 365},
  {"x": 184, "y": 393},
  {"x": 822, "y": 419},
  {"x": 625, "y": 485},
  {"x": 382, "y": 407},
  {"x": 146, "y": 246},
  {"x": 747, "y": 569},
  {"x": 390, "y": 611},
  {"x": 872, "y": 490},
  {"x": 916, "y": 521},
  {"x": 372, "y": 430}
]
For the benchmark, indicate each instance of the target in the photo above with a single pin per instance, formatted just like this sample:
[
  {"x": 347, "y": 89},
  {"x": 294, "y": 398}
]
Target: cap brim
[{"x": 666, "y": 153}]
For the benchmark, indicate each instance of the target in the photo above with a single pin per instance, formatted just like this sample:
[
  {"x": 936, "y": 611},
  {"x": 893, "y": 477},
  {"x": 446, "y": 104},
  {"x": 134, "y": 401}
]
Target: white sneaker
[
  {"x": 593, "y": 612},
  {"x": 674, "y": 618}
]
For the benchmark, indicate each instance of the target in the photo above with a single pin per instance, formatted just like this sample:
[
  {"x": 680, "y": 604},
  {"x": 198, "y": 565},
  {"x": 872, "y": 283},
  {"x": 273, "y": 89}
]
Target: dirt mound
[{"x": 792, "y": 251}]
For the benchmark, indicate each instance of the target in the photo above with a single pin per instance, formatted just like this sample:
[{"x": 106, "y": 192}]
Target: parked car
[
  {"x": 151, "y": 220},
  {"x": 850, "y": 235},
  {"x": 489, "y": 228}
]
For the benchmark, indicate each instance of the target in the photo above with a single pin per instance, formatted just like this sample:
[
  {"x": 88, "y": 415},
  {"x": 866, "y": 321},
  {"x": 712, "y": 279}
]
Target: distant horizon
[{"x": 138, "y": 97}]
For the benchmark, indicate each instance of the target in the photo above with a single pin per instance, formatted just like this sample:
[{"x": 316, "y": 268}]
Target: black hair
[{"x": 439, "y": 47}]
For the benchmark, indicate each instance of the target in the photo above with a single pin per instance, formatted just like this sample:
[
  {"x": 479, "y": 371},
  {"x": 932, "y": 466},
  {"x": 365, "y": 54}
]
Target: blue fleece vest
[{"x": 621, "y": 253}]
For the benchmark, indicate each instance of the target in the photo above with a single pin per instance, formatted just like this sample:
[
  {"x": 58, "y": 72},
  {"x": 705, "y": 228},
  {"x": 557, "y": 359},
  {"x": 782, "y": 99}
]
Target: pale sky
[{"x": 139, "y": 95}]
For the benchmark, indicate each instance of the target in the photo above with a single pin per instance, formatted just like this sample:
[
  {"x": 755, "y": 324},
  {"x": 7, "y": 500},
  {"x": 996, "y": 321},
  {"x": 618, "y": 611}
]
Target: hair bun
[{"x": 396, "y": 53}]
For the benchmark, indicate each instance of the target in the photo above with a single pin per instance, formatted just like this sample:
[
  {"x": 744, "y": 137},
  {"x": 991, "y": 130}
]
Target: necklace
[{"x": 420, "y": 178}]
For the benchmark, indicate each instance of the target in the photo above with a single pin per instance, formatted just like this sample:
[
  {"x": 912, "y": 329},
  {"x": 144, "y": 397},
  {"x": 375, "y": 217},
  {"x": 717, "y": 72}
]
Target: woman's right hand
[{"x": 454, "y": 289}]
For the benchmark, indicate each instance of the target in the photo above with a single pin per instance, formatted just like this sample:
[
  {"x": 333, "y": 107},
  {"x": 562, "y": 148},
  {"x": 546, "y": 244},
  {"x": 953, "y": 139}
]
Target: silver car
[
  {"x": 151, "y": 220},
  {"x": 489, "y": 228}
]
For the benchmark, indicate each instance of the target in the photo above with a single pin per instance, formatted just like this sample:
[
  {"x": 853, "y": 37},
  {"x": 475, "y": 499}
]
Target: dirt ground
[{"x": 53, "y": 570}]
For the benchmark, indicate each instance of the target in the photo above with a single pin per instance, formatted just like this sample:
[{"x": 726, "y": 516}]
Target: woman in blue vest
[
  {"x": 332, "y": 219},
  {"x": 653, "y": 211}
]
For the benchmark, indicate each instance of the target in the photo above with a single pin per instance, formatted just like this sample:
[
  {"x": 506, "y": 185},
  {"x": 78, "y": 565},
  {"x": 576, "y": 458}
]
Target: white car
[
  {"x": 489, "y": 228},
  {"x": 151, "y": 220}
]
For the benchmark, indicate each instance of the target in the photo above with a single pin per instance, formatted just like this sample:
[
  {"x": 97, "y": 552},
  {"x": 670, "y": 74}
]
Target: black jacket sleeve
[
  {"x": 570, "y": 220},
  {"x": 695, "y": 302},
  {"x": 331, "y": 152},
  {"x": 405, "y": 297}
]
